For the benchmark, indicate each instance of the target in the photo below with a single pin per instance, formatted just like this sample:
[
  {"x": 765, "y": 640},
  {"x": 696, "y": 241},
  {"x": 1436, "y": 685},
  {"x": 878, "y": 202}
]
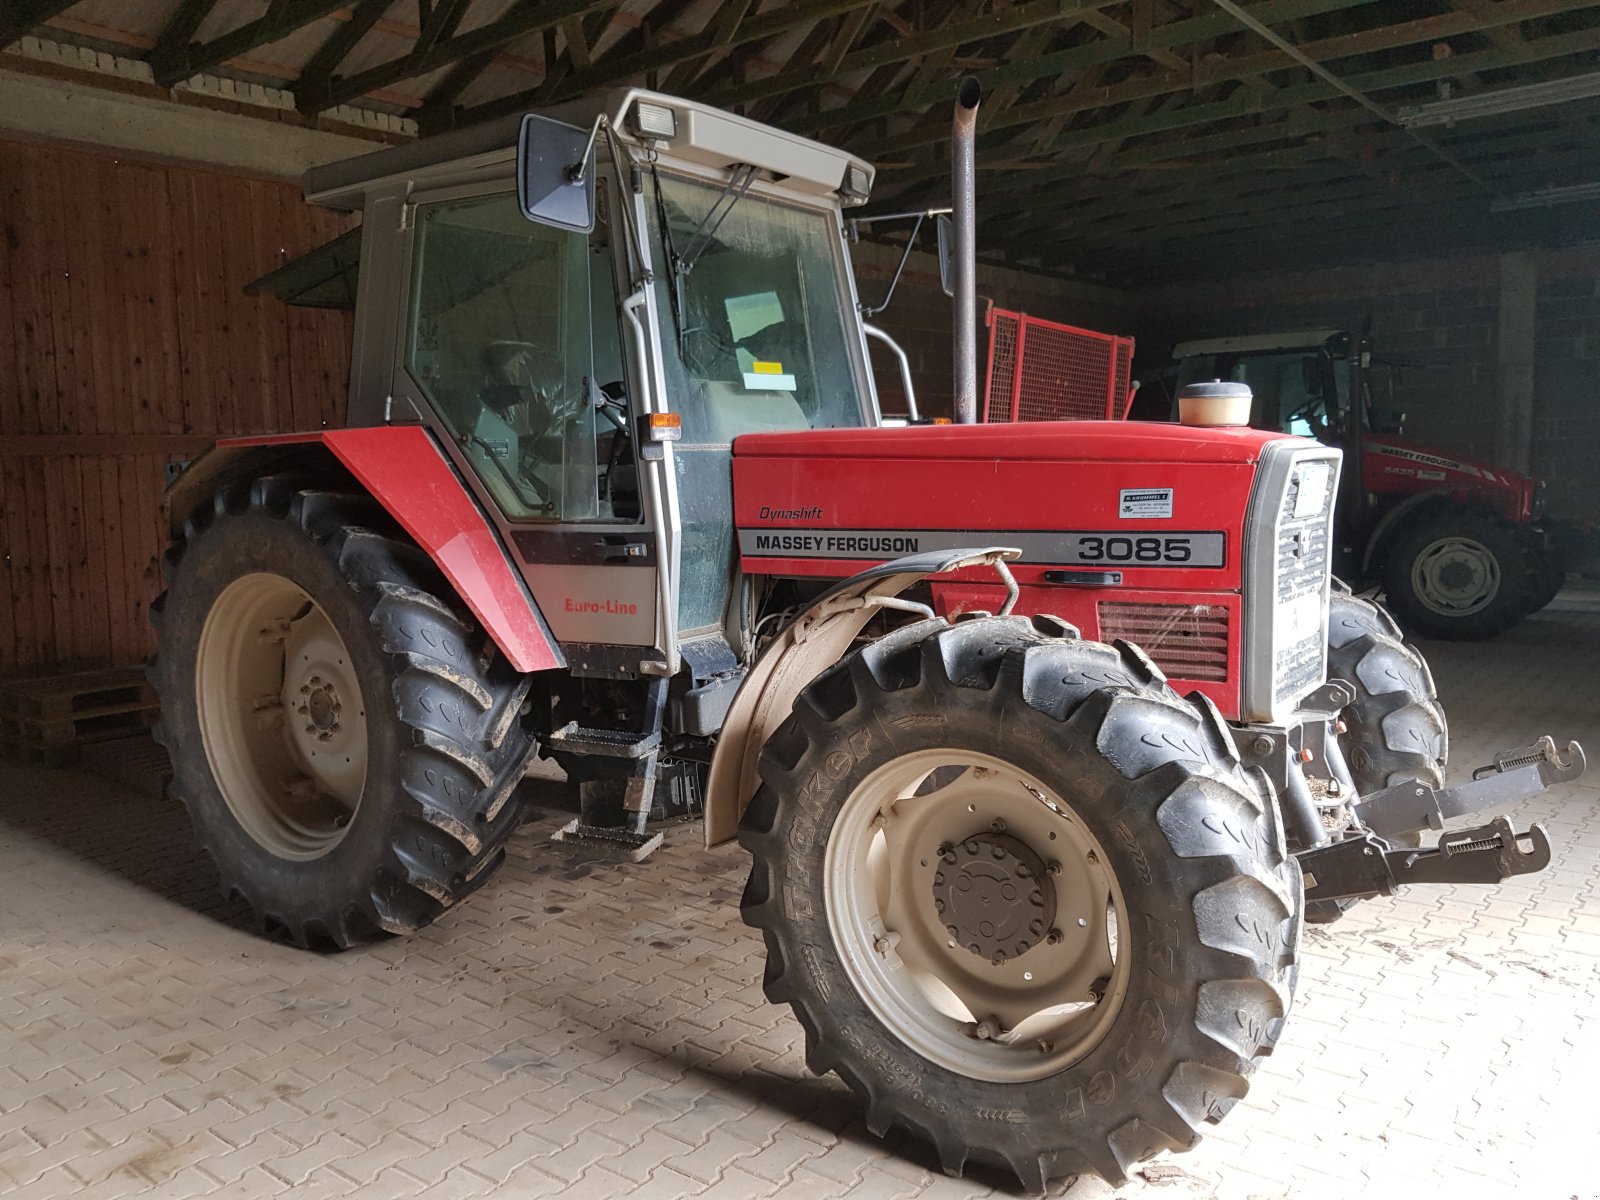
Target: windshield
[
  {"x": 1302, "y": 392},
  {"x": 754, "y": 338},
  {"x": 758, "y": 319}
]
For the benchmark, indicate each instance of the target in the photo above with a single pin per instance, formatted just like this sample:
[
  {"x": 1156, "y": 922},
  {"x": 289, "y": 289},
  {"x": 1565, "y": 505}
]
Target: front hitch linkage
[{"x": 1366, "y": 865}]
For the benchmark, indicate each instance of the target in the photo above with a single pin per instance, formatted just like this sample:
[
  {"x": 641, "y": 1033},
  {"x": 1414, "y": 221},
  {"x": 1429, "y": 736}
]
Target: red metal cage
[{"x": 1044, "y": 371}]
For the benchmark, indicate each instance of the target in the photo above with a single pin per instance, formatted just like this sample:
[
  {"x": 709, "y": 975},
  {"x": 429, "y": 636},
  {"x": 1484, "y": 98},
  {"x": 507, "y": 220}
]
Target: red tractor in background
[
  {"x": 1043, "y": 740},
  {"x": 1459, "y": 548}
]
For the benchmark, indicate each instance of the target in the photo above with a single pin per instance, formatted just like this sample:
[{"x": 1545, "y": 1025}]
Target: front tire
[
  {"x": 1395, "y": 729},
  {"x": 1115, "y": 999},
  {"x": 346, "y": 742},
  {"x": 1459, "y": 576}
]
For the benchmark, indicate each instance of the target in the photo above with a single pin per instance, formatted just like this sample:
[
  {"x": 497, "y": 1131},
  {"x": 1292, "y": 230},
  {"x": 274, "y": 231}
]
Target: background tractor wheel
[
  {"x": 1458, "y": 575},
  {"x": 1549, "y": 577},
  {"x": 1022, "y": 897},
  {"x": 1395, "y": 729},
  {"x": 345, "y": 741}
]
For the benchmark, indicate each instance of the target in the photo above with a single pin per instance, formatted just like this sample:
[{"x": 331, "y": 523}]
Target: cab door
[{"x": 511, "y": 349}]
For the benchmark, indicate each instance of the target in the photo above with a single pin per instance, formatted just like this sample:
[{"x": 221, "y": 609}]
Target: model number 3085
[{"x": 1135, "y": 549}]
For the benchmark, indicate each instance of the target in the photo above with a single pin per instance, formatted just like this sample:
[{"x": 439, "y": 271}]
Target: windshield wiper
[{"x": 701, "y": 236}]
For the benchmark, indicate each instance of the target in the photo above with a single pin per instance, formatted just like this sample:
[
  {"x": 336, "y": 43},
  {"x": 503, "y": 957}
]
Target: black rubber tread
[
  {"x": 1198, "y": 851},
  {"x": 446, "y": 743},
  {"x": 1548, "y": 576},
  {"x": 1395, "y": 731},
  {"x": 1499, "y": 536}
]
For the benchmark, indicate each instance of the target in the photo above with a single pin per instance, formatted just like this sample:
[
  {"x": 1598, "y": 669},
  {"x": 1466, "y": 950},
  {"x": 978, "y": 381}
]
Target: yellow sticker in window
[{"x": 766, "y": 368}]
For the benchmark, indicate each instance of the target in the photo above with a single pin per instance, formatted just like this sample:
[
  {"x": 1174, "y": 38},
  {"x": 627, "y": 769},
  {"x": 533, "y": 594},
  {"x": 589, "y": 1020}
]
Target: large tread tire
[
  {"x": 446, "y": 743},
  {"x": 1395, "y": 730},
  {"x": 1498, "y": 538},
  {"x": 1549, "y": 576},
  {"x": 1198, "y": 852}
]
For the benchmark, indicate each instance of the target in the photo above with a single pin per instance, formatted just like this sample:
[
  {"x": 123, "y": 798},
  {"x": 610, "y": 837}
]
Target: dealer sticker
[{"x": 1145, "y": 504}]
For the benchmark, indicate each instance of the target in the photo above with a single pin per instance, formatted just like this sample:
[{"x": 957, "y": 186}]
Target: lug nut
[
  {"x": 986, "y": 1030},
  {"x": 1054, "y": 937},
  {"x": 1053, "y": 869},
  {"x": 997, "y": 826},
  {"x": 1091, "y": 857}
]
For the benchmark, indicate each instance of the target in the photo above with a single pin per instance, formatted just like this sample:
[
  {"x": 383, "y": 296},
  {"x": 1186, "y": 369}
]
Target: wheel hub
[
  {"x": 319, "y": 705},
  {"x": 994, "y": 895}
]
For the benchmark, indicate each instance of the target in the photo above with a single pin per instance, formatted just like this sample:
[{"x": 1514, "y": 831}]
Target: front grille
[
  {"x": 1304, "y": 551},
  {"x": 1187, "y": 641}
]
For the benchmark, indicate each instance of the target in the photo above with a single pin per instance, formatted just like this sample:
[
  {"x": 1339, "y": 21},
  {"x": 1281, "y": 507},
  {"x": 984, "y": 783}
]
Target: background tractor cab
[{"x": 1456, "y": 544}]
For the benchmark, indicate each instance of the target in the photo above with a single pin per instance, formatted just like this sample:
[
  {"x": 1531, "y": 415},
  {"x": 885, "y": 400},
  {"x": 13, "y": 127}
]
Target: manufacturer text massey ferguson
[{"x": 1043, "y": 741}]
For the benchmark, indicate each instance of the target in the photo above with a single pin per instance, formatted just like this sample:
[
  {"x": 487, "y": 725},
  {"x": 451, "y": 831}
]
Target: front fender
[
  {"x": 403, "y": 470},
  {"x": 808, "y": 645}
]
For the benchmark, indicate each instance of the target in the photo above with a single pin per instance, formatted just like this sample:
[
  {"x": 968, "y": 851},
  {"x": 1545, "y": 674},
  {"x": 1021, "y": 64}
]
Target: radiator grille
[
  {"x": 1187, "y": 641},
  {"x": 1304, "y": 552}
]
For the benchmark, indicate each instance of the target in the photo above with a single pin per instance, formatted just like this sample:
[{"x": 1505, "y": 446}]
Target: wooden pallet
[{"x": 49, "y": 719}]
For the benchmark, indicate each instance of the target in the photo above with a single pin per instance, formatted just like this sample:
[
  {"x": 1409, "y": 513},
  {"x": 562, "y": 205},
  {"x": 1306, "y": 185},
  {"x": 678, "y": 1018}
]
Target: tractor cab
[{"x": 556, "y": 296}]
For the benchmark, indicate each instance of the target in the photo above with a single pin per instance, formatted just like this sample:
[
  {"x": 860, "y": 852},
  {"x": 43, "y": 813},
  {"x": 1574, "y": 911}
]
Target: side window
[{"x": 501, "y": 339}]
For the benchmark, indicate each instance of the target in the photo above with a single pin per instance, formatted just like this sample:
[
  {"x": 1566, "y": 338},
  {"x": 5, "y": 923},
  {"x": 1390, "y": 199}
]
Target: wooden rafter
[
  {"x": 18, "y": 18},
  {"x": 176, "y": 57}
]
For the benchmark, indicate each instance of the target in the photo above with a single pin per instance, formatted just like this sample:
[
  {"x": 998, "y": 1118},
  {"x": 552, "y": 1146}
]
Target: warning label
[{"x": 1145, "y": 503}]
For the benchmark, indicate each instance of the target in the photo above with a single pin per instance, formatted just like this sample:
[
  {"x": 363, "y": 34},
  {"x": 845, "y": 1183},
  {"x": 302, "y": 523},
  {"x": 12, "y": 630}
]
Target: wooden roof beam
[
  {"x": 175, "y": 57},
  {"x": 615, "y": 67},
  {"x": 520, "y": 21},
  {"x": 18, "y": 18}
]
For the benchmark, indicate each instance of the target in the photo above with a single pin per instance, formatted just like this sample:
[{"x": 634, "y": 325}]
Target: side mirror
[
  {"x": 554, "y": 183},
  {"x": 947, "y": 242}
]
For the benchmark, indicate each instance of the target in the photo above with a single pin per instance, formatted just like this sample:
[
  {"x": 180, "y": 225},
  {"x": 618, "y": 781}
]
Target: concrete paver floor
[{"x": 584, "y": 1029}]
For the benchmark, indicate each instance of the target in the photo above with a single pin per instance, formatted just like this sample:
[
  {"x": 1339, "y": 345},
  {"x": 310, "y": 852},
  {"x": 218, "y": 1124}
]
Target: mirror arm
[
  {"x": 579, "y": 169},
  {"x": 872, "y": 310}
]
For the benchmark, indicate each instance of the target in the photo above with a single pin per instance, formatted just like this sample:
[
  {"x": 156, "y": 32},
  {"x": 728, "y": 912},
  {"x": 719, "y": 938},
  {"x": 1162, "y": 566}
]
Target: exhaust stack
[{"x": 964, "y": 190}]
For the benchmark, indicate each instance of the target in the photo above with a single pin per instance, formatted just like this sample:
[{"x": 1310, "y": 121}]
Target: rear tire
[
  {"x": 1459, "y": 576},
  {"x": 327, "y": 857},
  {"x": 1207, "y": 901}
]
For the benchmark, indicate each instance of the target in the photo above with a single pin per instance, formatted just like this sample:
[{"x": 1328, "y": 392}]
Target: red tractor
[
  {"x": 1458, "y": 546},
  {"x": 1042, "y": 741}
]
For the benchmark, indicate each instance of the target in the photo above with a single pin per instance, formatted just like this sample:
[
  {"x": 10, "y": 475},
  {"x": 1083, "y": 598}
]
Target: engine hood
[{"x": 1040, "y": 441}]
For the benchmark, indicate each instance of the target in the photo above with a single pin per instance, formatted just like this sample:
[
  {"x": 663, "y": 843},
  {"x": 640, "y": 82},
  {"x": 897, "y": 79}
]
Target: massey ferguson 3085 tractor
[{"x": 1042, "y": 740}]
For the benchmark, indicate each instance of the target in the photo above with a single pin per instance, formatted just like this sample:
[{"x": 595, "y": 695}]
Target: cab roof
[
  {"x": 706, "y": 135},
  {"x": 1296, "y": 340}
]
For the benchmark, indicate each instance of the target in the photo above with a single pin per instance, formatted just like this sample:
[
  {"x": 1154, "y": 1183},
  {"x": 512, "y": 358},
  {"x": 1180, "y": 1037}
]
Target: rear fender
[
  {"x": 808, "y": 645},
  {"x": 402, "y": 468}
]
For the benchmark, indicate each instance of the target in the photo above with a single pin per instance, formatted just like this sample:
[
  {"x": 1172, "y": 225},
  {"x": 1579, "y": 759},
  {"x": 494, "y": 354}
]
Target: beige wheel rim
[
  {"x": 976, "y": 915},
  {"x": 282, "y": 716}
]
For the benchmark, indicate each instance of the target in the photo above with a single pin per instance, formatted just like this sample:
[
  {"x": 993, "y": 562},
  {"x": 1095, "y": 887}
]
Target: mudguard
[
  {"x": 812, "y": 642},
  {"x": 404, "y": 470}
]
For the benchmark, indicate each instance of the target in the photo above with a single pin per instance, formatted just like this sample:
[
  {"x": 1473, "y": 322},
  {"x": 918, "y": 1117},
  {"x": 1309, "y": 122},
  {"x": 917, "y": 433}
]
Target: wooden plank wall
[{"x": 126, "y": 343}]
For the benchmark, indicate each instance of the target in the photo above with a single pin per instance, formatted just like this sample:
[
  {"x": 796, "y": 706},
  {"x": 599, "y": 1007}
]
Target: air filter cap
[{"x": 1218, "y": 402}]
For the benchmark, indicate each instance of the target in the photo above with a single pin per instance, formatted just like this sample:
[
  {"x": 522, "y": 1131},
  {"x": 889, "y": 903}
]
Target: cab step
[
  {"x": 633, "y": 845},
  {"x": 573, "y": 738}
]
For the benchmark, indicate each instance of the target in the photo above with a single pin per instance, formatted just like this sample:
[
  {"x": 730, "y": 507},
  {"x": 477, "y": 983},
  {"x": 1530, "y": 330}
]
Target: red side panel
[{"x": 406, "y": 473}]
